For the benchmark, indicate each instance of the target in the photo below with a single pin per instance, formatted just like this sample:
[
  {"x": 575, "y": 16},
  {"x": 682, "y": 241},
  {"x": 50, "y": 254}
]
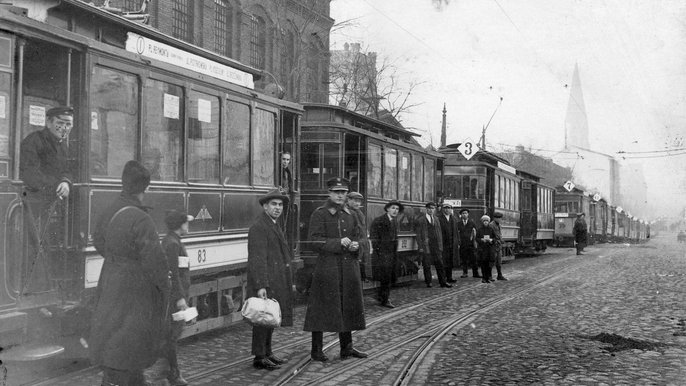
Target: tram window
[
  {"x": 404, "y": 176},
  {"x": 429, "y": 178},
  {"x": 263, "y": 148},
  {"x": 417, "y": 180},
  {"x": 5, "y": 88},
  {"x": 452, "y": 186},
  {"x": 516, "y": 196},
  {"x": 114, "y": 119},
  {"x": 390, "y": 177},
  {"x": 236, "y": 145},
  {"x": 330, "y": 161},
  {"x": 374, "y": 171},
  {"x": 496, "y": 191},
  {"x": 163, "y": 130},
  {"x": 309, "y": 167},
  {"x": 203, "y": 138}
]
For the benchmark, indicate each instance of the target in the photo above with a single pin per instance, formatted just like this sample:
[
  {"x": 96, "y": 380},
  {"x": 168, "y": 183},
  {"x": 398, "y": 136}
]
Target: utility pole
[
  {"x": 443, "y": 127},
  {"x": 483, "y": 130}
]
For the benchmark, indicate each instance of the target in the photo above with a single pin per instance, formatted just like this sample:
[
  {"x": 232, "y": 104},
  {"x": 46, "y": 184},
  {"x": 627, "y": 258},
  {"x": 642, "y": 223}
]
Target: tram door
[
  {"x": 46, "y": 77},
  {"x": 289, "y": 145},
  {"x": 353, "y": 160}
]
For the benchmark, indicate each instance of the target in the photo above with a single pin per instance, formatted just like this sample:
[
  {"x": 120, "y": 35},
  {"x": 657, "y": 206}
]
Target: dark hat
[
  {"x": 60, "y": 110},
  {"x": 337, "y": 183},
  {"x": 430, "y": 203},
  {"x": 135, "y": 177},
  {"x": 176, "y": 218},
  {"x": 388, "y": 204},
  {"x": 355, "y": 196},
  {"x": 447, "y": 205},
  {"x": 497, "y": 215},
  {"x": 276, "y": 193},
  {"x": 580, "y": 214},
  {"x": 464, "y": 210}
]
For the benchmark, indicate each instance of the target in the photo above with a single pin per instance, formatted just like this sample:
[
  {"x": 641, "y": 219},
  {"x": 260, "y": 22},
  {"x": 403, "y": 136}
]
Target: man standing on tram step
[
  {"x": 497, "y": 245},
  {"x": 451, "y": 241},
  {"x": 286, "y": 175},
  {"x": 179, "y": 266},
  {"x": 269, "y": 274},
  {"x": 580, "y": 231},
  {"x": 430, "y": 240},
  {"x": 467, "y": 230},
  {"x": 354, "y": 204},
  {"x": 335, "y": 301},
  {"x": 131, "y": 301},
  {"x": 384, "y": 236}
]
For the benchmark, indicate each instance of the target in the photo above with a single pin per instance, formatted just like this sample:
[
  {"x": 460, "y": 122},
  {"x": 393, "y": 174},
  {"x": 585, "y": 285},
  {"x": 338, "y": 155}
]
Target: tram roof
[
  {"x": 153, "y": 33},
  {"x": 366, "y": 120}
]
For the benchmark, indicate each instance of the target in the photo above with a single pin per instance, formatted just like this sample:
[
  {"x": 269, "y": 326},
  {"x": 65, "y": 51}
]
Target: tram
[
  {"x": 192, "y": 117},
  {"x": 567, "y": 205},
  {"x": 537, "y": 226},
  {"x": 382, "y": 161}
]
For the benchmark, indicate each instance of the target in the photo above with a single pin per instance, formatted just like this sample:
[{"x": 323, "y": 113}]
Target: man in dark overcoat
[
  {"x": 580, "y": 231},
  {"x": 498, "y": 244},
  {"x": 179, "y": 266},
  {"x": 335, "y": 301},
  {"x": 269, "y": 274},
  {"x": 451, "y": 240},
  {"x": 130, "y": 317},
  {"x": 430, "y": 240},
  {"x": 354, "y": 204},
  {"x": 467, "y": 229},
  {"x": 384, "y": 236}
]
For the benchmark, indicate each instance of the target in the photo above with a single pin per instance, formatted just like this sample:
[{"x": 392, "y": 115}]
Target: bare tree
[{"x": 362, "y": 84}]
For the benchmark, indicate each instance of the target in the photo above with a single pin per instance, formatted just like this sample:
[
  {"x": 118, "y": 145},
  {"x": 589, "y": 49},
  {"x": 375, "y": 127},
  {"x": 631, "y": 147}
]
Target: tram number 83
[{"x": 202, "y": 255}]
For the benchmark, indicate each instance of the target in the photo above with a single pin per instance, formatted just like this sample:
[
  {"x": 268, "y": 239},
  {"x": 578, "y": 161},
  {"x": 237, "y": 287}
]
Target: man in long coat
[
  {"x": 354, "y": 204},
  {"x": 335, "y": 301},
  {"x": 467, "y": 229},
  {"x": 451, "y": 240},
  {"x": 384, "y": 236},
  {"x": 580, "y": 231},
  {"x": 269, "y": 274},
  {"x": 430, "y": 240},
  {"x": 130, "y": 317},
  {"x": 498, "y": 244}
]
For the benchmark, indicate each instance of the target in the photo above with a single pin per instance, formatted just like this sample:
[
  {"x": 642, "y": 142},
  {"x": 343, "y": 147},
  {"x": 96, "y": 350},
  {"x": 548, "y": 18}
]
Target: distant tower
[
  {"x": 443, "y": 127},
  {"x": 576, "y": 122}
]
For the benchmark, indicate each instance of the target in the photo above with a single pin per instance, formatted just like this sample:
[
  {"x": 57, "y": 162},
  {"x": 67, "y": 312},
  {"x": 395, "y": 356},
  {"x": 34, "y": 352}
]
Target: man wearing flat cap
[
  {"x": 130, "y": 319},
  {"x": 497, "y": 245},
  {"x": 430, "y": 241},
  {"x": 269, "y": 274},
  {"x": 335, "y": 301},
  {"x": 179, "y": 266},
  {"x": 580, "y": 231},
  {"x": 354, "y": 203},
  {"x": 384, "y": 236},
  {"x": 467, "y": 229},
  {"x": 451, "y": 240}
]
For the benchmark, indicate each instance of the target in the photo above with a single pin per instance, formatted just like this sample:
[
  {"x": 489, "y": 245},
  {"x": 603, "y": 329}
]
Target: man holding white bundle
[{"x": 269, "y": 274}]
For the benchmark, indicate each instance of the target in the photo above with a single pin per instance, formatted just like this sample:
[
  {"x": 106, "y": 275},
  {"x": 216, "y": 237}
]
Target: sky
[{"x": 468, "y": 54}]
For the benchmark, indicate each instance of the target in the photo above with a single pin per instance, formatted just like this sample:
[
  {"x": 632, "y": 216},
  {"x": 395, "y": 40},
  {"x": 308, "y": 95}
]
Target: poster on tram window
[
  {"x": 171, "y": 106},
  {"x": 36, "y": 115}
]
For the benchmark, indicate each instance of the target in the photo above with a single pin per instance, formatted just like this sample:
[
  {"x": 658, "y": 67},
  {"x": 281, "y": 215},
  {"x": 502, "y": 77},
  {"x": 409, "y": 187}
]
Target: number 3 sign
[{"x": 468, "y": 149}]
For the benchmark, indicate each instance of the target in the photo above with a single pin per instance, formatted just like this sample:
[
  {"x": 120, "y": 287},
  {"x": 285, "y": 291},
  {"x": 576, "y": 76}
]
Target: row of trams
[{"x": 213, "y": 146}]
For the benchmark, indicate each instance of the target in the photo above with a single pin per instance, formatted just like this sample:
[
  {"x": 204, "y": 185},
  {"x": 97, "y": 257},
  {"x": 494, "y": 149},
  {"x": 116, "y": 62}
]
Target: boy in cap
[
  {"x": 179, "y": 266},
  {"x": 384, "y": 235}
]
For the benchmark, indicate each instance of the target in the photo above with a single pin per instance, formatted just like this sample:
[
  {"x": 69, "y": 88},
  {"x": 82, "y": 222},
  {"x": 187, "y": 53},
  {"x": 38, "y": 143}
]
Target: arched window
[
  {"x": 288, "y": 52},
  {"x": 258, "y": 42},
  {"x": 182, "y": 20},
  {"x": 223, "y": 27}
]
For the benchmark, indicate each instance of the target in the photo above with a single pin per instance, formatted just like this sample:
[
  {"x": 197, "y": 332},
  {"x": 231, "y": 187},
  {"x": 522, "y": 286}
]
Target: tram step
[{"x": 30, "y": 352}]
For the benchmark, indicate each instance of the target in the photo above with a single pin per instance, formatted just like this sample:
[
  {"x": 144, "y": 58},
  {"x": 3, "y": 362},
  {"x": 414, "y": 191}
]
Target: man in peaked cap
[
  {"x": 384, "y": 236},
  {"x": 126, "y": 334},
  {"x": 269, "y": 274},
  {"x": 335, "y": 302},
  {"x": 580, "y": 231}
]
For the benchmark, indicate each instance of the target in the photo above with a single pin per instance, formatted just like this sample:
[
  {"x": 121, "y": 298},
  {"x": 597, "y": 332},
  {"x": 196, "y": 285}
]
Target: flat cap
[
  {"x": 447, "y": 205},
  {"x": 355, "y": 196},
  {"x": 464, "y": 210},
  {"x": 430, "y": 203},
  {"x": 497, "y": 215},
  {"x": 176, "y": 218},
  {"x": 60, "y": 110}
]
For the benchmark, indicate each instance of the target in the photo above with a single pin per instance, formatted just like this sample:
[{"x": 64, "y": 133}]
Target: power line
[{"x": 651, "y": 151}]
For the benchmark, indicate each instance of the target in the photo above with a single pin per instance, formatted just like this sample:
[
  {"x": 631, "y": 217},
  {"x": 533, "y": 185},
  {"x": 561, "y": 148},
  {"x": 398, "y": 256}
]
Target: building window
[
  {"x": 182, "y": 26},
  {"x": 287, "y": 61},
  {"x": 223, "y": 27},
  {"x": 131, "y": 5},
  {"x": 258, "y": 32}
]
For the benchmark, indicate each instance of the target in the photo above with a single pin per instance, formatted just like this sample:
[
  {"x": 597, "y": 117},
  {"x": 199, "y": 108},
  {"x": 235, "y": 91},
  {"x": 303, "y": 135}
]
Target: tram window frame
[
  {"x": 263, "y": 145},
  {"x": 315, "y": 144},
  {"x": 404, "y": 175},
  {"x": 132, "y": 135},
  {"x": 168, "y": 165},
  {"x": 429, "y": 178},
  {"x": 417, "y": 178},
  {"x": 236, "y": 157},
  {"x": 375, "y": 154},
  {"x": 390, "y": 173},
  {"x": 199, "y": 130}
]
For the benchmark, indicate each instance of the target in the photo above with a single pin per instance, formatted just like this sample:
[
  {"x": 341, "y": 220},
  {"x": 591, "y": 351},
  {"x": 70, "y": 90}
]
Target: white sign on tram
[
  {"x": 468, "y": 149},
  {"x": 596, "y": 197},
  {"x": 569, "y": 185}
]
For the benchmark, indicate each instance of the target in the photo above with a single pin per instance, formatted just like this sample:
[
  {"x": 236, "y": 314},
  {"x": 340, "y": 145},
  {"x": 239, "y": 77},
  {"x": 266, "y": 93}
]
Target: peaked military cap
[
  {"x": 337, "y": 183},
  {"x": 388, "y": 204},
  {"x": 60, "y": 110},
  {"x": 276, "y": 193}
]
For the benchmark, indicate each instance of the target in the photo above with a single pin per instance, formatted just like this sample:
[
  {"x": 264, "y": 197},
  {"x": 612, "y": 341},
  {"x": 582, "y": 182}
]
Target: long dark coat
[
  {"x": 467, "y": 249},
  {"x": 130, "y": 317},
  {"x": 269, "y": 265},
  {"x": 498, "y": 238},
  {"x": 180, "y": 278},
  {"x": 364, "y": 253},
  {"x": 451, "y": 238},
  {"x": 486, "y": 250},
  {"x": 580, "y": 231},
  {"x": 384, "y": 237},
  {"x": 335, "y": 302},
  {"x": 423, "y": 229},
  {"x": 43, "y": 164}
]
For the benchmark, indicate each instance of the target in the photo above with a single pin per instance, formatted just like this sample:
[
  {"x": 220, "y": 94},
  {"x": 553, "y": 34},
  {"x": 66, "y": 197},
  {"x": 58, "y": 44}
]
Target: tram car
[
  {"x": 192, "y": 117},
  {"x": 484, "y": 184},
  {"x": 567, "y": 205},
  {"x": 382, "y": 161},
  {"x": 537, "y": 226}
]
